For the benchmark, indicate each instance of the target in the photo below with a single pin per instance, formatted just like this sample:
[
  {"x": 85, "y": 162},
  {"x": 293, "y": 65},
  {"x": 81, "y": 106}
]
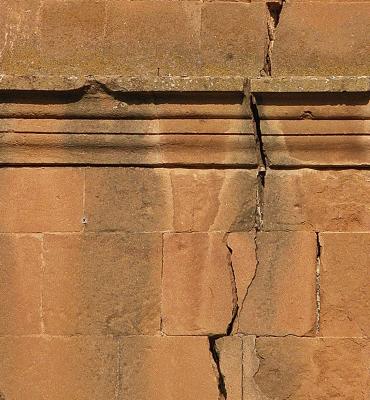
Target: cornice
[{"x": 301, "y": 121}]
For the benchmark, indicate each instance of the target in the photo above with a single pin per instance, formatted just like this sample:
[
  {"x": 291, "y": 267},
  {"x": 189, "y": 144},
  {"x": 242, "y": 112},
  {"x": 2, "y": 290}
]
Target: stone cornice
[{"x": 302, "y": 121}]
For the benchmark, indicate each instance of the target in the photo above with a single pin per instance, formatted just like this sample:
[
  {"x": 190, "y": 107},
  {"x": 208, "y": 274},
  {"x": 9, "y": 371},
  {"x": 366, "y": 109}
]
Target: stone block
[
  {"x": 41, "y": 199},
  {"x": 281, "y": 299},
  {"x": 199, "y": 293},
  {"x": 230, "y": 353},
  {"x": 344, "y": 287},
  {"x": 102, "y": 284},
  {"x": 20, "y": 36},
  {"x": 139, "y": 199},
  {"x": 143, "y": 38},
  {"x": 214, "y": 200},
  {"x": 58, "y": 368},
  {"x": 167, "y": 368},
  {"x": 233, "y": 38},
  {"x": 72, "y": 35},
  {"x": 322, "y": 38},
  {"x": 312, "y": 368},
  {"x": 329, "y": 200},
  {"x": 20, "y": 285}
]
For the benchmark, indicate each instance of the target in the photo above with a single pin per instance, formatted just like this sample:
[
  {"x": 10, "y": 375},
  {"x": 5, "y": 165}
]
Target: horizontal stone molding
[{"x": 301, "y": 121}]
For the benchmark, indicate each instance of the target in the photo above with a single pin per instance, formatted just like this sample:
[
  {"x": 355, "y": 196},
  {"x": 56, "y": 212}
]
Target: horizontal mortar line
[
  {"x": 320, "y": 167},
  {"x": 130, "y": 165},
  {"x": 107, "y": 232},
  {"x": 159, "y": 335}
]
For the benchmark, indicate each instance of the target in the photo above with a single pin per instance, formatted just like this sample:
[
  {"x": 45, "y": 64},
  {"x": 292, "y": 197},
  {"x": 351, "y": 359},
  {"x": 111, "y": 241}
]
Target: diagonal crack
[
  {"x": 235, "y": 310},
  {"x": 274, "y": 10},
  {"x": 253, "y": 278},
  {"x": 216, "y": 359}
]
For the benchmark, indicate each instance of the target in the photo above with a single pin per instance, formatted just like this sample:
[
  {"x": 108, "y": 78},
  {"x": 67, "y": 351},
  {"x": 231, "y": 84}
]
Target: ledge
[{"x": 194, "y": 121}]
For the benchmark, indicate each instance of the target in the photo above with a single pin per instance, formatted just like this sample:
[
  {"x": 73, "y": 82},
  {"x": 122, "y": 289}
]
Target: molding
[{"x": 303, "y": 121}]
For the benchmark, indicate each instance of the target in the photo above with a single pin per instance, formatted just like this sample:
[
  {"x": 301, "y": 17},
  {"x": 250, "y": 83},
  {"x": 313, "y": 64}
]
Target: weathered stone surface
[
  {"x": 225, "y": 47},
  {"x": 237, "y": 150},
  {"x": 58, "y": 368},
  {"x": 230, "y": 352},
  {"x": 18, "y": 35},
  {"x": 215, "y": 200},
  {"x": 199, "y": 293},
  {"x": 128, "y": 199},
  {"x": 322, "y": 38},
  {"x": 143, "y": 37},
  {"x": 102, "y": 284},
  {"x": 250, "y": 367},
  {"x": 20, "y": 284},
  {"x": 167, "y": 368},
  {"x": 243, "y": 258},
  {"x": 318, "y": 150},
  {"x": 41, "y": 199},
  {"x": 312, "y": 368},
  {"x": 344, "y": 288},
  {"x": 72, "y": 36},
  {"x": 317, "y": 200},
  {"x": 135, "y": 199},
  {"x": 281, "y": 298}
]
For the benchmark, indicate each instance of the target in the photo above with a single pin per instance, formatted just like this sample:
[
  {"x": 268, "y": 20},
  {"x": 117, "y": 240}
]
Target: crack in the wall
[
  {"x": 253, "y": 277},
  {"x": 263, "y": 163},
  {"x": 274, "y": 10},
  {"x": 222, "y": 391},
  {"x": 235, "y": 310},
  {"x": 318, "y": 283}
]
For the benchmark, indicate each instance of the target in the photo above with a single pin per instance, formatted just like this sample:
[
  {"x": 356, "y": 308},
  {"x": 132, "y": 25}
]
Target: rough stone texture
[
  {"x": 57, "y": 368},
  {"x": 135, "y": 199},
  {"x": 20, "y": 284},
  {"x": 168, "y": 368},
  {"x": 199, "y": 292},
  {"x": 230, "y": 351},
  {"x": 345, "y": 293},
  {"x": 312, "y": 369},
  {"x": 115, "y": 290},
  {"x": 281, "y": 298},
  {"x": 317, "y": 200},
  {"x": 226, "y": 48},
  {"x": 322, "y": 38},
  {"x": 41, "y": 199},
  {"x": 243, "y": 258}
]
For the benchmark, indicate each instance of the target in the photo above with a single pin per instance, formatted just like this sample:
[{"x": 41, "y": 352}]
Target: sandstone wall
[{"x": 184, "y": 200}]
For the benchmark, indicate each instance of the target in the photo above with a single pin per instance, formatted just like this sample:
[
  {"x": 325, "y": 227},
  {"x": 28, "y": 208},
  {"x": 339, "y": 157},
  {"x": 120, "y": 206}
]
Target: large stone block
[
  {"x": 143, "y": 38},
  {"x": 317, "y": 200},
  {"x": 311, "y": 369},
  {"x": 322, "y": 38},
  {"x": 139, "y": 199},
  {"x": 71, "y": 36},
  {"x": 233, "y": 38},
  {"x": 102, "y": 284},
  {"x": 199, "y": 293},
  {"x": 344, "y": 286},
  {"x": 167, "y": 368},
  {"x": 20, "y": 36},
  {"x": 281, "y": 298},
  {"x": 41, "y": 199},
  {"x": 58, "y": 368},
  {"x": 20, "y": 285}
]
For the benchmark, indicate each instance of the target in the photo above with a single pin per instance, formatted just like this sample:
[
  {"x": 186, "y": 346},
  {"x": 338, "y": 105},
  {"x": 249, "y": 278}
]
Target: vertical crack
[
  {"x": 235, "y": 310},
  {"x": 263, "y": 163},
  {"x": 318, "y": 289},
  {"x": 274, "y": 10},
  {"x": 216, "y": 359}
]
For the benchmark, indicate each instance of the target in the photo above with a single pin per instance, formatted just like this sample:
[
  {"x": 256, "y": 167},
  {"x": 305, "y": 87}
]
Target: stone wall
[{"x": 184, "y": 237}]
